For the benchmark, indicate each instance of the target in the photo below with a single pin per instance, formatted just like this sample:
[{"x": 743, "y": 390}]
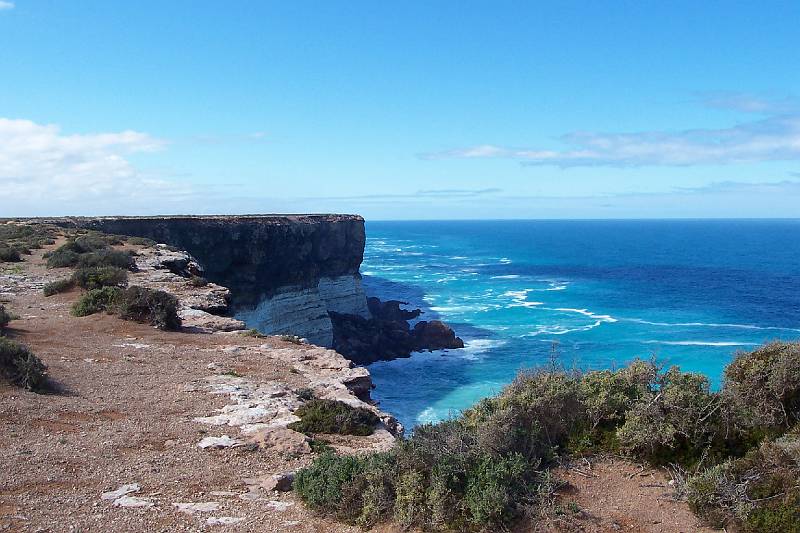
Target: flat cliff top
[{"x": 260, "y": 218}]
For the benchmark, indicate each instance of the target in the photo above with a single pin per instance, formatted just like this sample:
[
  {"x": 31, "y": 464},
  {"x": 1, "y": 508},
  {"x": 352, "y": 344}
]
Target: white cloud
[
  {"x": 40, "y": 165},
  {"x": 4, "y": 5},
  {"x": 774, "y": 138}
]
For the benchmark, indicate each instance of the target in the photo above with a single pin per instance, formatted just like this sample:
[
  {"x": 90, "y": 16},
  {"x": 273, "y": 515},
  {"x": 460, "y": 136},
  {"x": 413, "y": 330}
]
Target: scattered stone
[
  {"x": 282, "y": 441},
  {"x": 122, "y": 491},
  {"x": 134, "y": 345},
  {"x": 200, "y": 507},
  {"x": 219, "y": 442},
  {"x": 132, "y": 501},
  {"x": 271, "y": 482},
  {"x": 223, "y": 520},
  {"x": 276, "y": 505},
  {"x": 205, "y": 322}
]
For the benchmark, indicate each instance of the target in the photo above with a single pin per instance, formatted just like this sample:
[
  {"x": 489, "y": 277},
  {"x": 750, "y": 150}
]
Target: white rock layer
[{"x": 304, "y": 311}]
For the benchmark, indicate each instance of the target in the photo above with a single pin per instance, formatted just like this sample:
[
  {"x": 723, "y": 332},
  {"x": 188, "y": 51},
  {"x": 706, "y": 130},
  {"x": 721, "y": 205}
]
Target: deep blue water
[{"x": 597, "y": 293}]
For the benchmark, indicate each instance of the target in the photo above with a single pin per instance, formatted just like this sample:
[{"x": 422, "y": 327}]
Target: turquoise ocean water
[{"x": 598, "y": 293}]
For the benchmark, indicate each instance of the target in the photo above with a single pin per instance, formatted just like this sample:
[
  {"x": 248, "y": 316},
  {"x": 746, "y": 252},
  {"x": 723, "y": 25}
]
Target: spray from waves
[
  {"x": 584, "y": 312},
  {"x": 702, "y": 343},
  {"x": 560, "y": 330},
  {"x": 507, "y": 276},
  {"x": 520, "y": 298},
  {"x": 708, "y": 325}
]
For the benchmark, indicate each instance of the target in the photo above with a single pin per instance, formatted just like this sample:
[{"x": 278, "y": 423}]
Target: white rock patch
[
  {"x": 219, "y": 442},
  {"x": 223, "y": 520},
  {"x": 200, "y": 507},
  {"x": 122, "y": 491}
]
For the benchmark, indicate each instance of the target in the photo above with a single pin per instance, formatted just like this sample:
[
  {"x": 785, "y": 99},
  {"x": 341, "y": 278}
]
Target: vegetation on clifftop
[
  {"x": 17, "y": 364},
  {"x": 331, "y": 416},
  {"x": 139, "y": 304},
  {"x": 490, "y": 466}
]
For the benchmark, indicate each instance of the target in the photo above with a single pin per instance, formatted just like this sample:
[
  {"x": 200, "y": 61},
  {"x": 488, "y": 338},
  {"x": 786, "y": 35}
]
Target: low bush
[
  {"x": 5, "y": 318},
  {"x": 488, "y": 466},
  {"x": 19, "y": 366},
  {"x": 61, "y": 257},
  {"x": 91, "y": 250},
  {"x": 677, "y": 421},
  {"x": 17, "y": 238},
  {"x": 154, "y": 307},
  {"x": 95, "y": 301},
  {"x": 331, "y": 416},
  {"x": 759, "y": 492},
  {"x": 58, "y": 286},
  {"x": 141, "y": 241},
  {"x": 9, "y": 255},
  {"x": 109, "y": 258},
  {"x": 762, "y": 388},
  {"x": 100, "y": 276}
]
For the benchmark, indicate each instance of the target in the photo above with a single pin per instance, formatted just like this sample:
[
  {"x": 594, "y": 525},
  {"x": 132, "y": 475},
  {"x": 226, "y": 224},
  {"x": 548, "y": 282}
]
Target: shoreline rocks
[{"x": 387, "y": 334}]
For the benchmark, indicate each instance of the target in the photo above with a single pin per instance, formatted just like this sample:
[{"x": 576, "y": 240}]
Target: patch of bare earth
[{"x": 612, "y": 494}]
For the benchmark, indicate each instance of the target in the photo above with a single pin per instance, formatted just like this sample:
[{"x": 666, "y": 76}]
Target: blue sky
[{"x": 459, "y": 109}]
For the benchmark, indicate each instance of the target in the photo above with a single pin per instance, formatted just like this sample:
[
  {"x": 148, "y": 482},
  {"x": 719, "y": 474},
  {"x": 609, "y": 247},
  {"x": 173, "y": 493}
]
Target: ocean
[{"x": 593, "y": 294}]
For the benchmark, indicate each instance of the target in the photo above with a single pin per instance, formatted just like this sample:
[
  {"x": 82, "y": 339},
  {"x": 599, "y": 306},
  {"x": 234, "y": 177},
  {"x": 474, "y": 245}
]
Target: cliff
[{"x": 285, "y": 273}]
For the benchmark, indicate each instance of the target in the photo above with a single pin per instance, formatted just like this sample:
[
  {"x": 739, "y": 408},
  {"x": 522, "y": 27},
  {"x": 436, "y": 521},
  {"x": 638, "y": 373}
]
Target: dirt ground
[
  {"x": 612, "y": 494},
  {"x": 123, "y": 413}
]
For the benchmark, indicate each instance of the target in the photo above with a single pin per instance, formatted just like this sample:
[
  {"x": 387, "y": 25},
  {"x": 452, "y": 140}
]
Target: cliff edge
[{"x": 285, "y": 272}]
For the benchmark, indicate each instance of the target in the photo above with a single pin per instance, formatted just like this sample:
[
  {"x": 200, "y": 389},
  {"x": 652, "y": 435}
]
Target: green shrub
[
  {"x": 19, "y": 366},
  {"x": 92, "y": 241},
  {"x": 61, "y": 257},
  {"x": 96, "y": 300},
  {"x": 676, "y": 422},
  {"x": 111, "y": 258},
  {"x": 486, "y": 467},
  {"x": 757, "y": 493},
  {"x": 58, "y": 286},
  {"x": 20, "y": 238},
  {"x": 9, "y": 255},
  {"x": 98, "y": 277},
  {"x": 320, "y": 484},
  {"x": 5, "y": 318},
  {"x": 154, "y": 307},
  {"x": 609, "y": 395},
  {"x": 331, "y": 416},
  {"x": 762, "y": 388},
  {"x": 141, "y": 241}
]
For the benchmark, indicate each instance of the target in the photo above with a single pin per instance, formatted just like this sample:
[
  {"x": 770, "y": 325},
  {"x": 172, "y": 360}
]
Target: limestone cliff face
[{"x": 285, "y": 272}]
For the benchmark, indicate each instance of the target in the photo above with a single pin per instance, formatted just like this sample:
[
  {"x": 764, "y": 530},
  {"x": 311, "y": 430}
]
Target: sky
[{"x": 401, "y": 110}]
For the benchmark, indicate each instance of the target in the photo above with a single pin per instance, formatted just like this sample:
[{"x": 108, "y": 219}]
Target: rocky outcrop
[
  {"x": 201, "y": 304},
  {"x": 284, "y": 272},
  {"x": 387, "y": 334}
]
